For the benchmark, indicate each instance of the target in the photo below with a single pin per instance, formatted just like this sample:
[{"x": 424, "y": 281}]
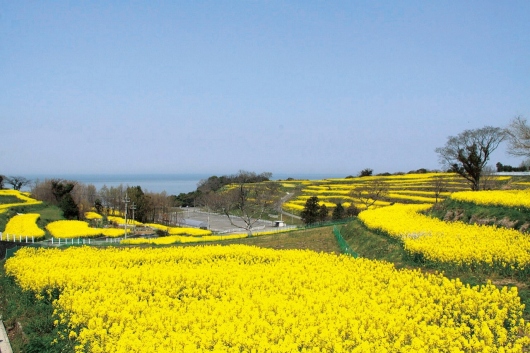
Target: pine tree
[
  {"x": 69, "y": 207},
  {"x": 338, "y": 212},
  {"x": 323, "y": 213},
  {"x": 311, "y": 210}
]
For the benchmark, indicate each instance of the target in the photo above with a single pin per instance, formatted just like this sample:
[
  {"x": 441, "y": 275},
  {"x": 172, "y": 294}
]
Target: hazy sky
[{"x": 279, "y": 86}]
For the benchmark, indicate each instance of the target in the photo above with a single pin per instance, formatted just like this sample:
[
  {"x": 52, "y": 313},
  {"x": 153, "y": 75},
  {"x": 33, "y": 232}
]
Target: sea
[{"x": 172, "y": 184}]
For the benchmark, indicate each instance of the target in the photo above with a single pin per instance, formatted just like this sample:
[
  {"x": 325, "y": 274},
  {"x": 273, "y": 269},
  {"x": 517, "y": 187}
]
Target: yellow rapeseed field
[
  {"x": 24, "y": 225},
  {"x": 451, "y": 242},
  {"x": 508, "y": 198},
  {"x": 81, "y": 229},
  {"x": 25, "y": 199},
  {"x": 246, "y": 299}
]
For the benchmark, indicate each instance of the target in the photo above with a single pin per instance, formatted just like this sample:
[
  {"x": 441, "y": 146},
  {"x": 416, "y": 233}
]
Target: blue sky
[{"x": 279, "y": 86}]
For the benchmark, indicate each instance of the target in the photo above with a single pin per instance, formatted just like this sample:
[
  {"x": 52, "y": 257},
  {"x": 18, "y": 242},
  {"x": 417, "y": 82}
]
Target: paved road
[
  {"x": 221, "y": 223},
  {"x": 5, "y": 347}
]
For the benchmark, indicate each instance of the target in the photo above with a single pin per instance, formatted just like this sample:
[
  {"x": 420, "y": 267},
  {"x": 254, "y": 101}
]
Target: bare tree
[
  {"x": 370, "y": 192},
  {"x": 468, "y": 152},
  {"x": 43, "y": 191},
  {"x": 246, "y": 202},
  {"x": 17, "y": 182},
  {"x": 488, "y": 181},
  {"x": 518, "y": 137},
  {"x": 439, "y": 185}
]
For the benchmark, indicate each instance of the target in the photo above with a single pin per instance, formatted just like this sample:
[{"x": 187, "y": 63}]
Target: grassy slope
[
  {"x": 47, "y": 214},
  {"x": 373, "y": 245},
  {"x": 470, "y": 210}
]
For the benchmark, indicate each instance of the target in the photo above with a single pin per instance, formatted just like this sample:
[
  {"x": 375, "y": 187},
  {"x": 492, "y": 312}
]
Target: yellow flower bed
[
  {"x": 508, "y": 198},
  {"x": 181, "y": 230},
  {"x": 175, "y": 239},
  {"x": 113, "y": 232},
  {"x": 248, "y": 299},
  {"x": 121, "y": 221},
  {"x": 25, "y": 199},
  {"x": 72, "y": 229},
  {"x": 81, "y": 229},
  {"x": 456, "y": 242},
  {"x": 93, "y": 215},
  {"x": 293, "y": 206},
  {"x": 24, "y": 225},
  {"x": 415, "y": 198}
]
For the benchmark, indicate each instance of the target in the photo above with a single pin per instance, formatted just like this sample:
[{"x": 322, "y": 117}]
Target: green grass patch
[
  {"x": 7, "y": 199},
  {"x": 469, "y": 212},
  {"x": 28, "y": 321},
  {"x": 48, "y": 213},
  {"x": 378, "y": 246},
  {"x": 374, "y": 246}
]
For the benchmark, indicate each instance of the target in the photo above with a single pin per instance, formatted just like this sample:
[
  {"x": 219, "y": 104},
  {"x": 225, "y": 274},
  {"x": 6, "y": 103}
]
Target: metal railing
[{"x": 344, "y": 247}]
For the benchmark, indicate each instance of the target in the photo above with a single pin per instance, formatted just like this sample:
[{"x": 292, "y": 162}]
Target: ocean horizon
[{"x": 172, "y": 184}]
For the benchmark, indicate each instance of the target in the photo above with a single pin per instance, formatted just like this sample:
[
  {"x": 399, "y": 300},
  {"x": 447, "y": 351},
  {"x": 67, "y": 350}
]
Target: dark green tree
[
  {"x": 311, "y": 210},
  {"x": 323, "y": 213},
  {"x": 366, "y": 172},
  {"x": 338, "y": 212},
  {"x": 61, "y": 190},
  {"x": 140, "y": 202},
  {"x": 69, "y": 207},
  {"x": 98, "y": 205}
]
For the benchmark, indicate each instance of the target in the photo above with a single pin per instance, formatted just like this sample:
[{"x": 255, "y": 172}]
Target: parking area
[{"x": 219, "y": 223}]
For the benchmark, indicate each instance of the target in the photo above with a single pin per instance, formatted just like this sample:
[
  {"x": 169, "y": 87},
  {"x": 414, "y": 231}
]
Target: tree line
[{"x": 75, "y": 198}]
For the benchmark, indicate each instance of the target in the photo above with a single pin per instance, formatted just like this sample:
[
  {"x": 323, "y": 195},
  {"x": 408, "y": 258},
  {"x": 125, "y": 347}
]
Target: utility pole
[
  {"x": 133, "y": 207},
  {"x": 126, "y": 200}
]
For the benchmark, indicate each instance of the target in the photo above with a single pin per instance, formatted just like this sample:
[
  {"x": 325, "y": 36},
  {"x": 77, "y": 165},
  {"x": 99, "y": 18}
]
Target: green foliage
[
  {"x": 186, "y": 199},
  {"x": 311, "y": 210},
  {"x": 98, "y": 205},
  {"x": 338, "y": 212},
  {"x": 140, "y": 202},
  {"x": 7, "y": 199},
  {"x": 366, "y": 172},
  {"x": 161, "y": 233},
  {"x": 374, "y": 246},
  {"x": 61, "y": 188},
  {"x": 469, "y": 212},
  {"x": 323, "y": 213},
  {"x": 69, "y": 207},
  {"x": 48, "y": 213},
  {"x": 379, "y": 246},
  {"x": 22, "y": 310}
]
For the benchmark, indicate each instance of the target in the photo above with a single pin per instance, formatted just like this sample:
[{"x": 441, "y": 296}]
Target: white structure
[{"x": 279, "y": 223}]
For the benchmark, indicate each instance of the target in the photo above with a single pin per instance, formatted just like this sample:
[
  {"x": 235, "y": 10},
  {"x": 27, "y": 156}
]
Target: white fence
[{"x": 17, "y": 238}]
